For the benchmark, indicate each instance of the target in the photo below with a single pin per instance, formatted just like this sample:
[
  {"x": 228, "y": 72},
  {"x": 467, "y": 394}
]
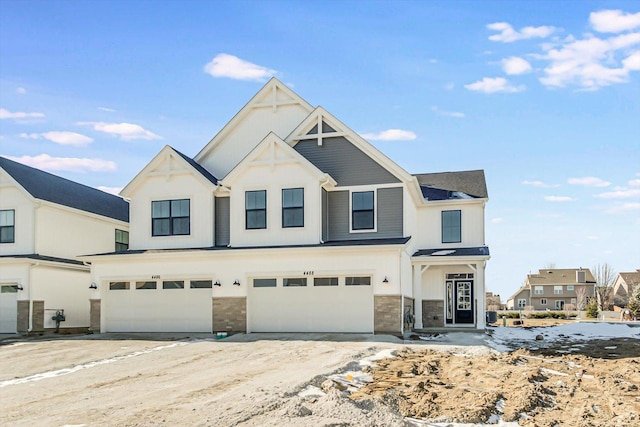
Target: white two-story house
[
  {"x": 289, "y": 221},
  {"x": 45, "y": 222}
]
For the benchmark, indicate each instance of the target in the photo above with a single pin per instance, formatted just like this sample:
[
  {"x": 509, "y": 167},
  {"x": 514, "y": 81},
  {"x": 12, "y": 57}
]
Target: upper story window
[
  {"x": 362, "y": 210},
  {"x": 8, "y": 226},
  {"x": 122, "y": 240},
  {"x": 538, "y": 290},
  {"x": 170, "y": 218},
  {"x": 255, "y": 209},
  {"x": 557, "y": 290},
  {"x": 451, "y": 227},
  {"x": 570, "y": 287},
  {"x": 292, "y": 207}
]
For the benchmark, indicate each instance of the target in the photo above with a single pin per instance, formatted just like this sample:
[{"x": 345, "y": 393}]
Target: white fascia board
[
  {"x": 272, "y": 84},
  {"x": 130, "y": 188},
  {"x": 353, "y": 137},
  {"x": 43, "y": 263},
  {"x": 272, "y": 138},
  {"x": 85, "y": 213},
  {"x": 452, "y": 202},
  {"x": 444, "y": 260}
]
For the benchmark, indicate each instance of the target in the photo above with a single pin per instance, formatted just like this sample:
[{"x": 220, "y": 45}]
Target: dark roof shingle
[
  {"x": 45, "y": 186},
  {"x": 445, "y": 185}
]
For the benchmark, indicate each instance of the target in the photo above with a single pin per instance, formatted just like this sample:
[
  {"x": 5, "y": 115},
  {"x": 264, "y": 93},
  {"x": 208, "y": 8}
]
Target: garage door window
[
  {"x": 118, "y": 286},
  {"x": 357, "y": 281},
  {"x": 325, "y": 281},
  {"x": 11, "y": 289},
  {"x": 146, "y": 285},
  {"x": 296, "y": 281},
  {"x": 264, "y": 283},
  {"x": 200, "y": 284},
  {"x": 173, "y": 284}
]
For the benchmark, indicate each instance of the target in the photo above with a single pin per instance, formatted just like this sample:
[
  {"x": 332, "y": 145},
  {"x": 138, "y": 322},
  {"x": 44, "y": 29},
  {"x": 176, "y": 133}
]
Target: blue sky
[{"x": 544, "y": 96}]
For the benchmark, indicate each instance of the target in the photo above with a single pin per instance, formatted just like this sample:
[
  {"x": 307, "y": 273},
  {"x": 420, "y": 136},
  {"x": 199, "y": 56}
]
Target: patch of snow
[
  {"x": 499, "y": 423},
  {"x": 500, "y": 406},
  {"x": 552, "y": 372},
  {"x": 611, "y": 347},
  {"x": 311, "y": 391},
  {"x": 67, "y": 371},
  {"x": 384, "y": 354}
]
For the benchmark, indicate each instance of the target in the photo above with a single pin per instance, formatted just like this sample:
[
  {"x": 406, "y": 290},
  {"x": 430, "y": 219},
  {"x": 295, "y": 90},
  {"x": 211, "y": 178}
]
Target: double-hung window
[
  {"x": 362, "y": 210},
  {"x": 557, "y": 290},
  {"x": 122, "y": 240},
  {"x": 8, "y": 226},
  {"x": 255, "y": 209},
  {"x": 170, "y": 218},
  {"x": 292, "y": 207},
  {"x": 538, "y": 290},
  {"x": 451, "y": 227}
]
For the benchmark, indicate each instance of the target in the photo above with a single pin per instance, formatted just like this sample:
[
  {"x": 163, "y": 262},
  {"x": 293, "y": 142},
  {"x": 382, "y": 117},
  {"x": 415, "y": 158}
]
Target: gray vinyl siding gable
[
  {"x": 222, "y": 221},
  {"x": 345, "y": 162},
  {"x": 389, "y": 210}
]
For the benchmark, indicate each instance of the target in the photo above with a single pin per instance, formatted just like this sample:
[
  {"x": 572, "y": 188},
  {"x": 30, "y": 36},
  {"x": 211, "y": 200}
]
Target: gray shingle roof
[
  {"x": 471, "y": 183},
  {"x": 453, "y": 252},
  {"x": 45, "y": 186},
  {"x": 197, "y": 166}
]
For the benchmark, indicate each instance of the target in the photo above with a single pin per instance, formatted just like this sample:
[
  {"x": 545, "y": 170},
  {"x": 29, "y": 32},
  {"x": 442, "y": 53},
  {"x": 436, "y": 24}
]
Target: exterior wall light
[
  {"x": 20, "y": 288},
  {"x": 385, "y": 280},
  {"x": 217, "y": 283},
  {"x": 236, "y": 283},
  {"x": 93, "y": 285}
]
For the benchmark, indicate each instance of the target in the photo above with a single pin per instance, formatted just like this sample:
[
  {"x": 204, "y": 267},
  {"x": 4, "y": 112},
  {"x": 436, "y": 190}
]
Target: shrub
[
  {"x": 551, "y": 315},
  {"x": 592, "y": 309},
  {"x": 510, "y": 314},
  {"x": 634, "y": 302}
]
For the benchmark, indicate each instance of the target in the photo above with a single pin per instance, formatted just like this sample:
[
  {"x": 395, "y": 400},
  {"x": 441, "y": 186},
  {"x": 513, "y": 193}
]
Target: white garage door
[
  {"x": 311, "y": 305},
  {"x": 163, "y": 306},
  {"x": 8, "y": 309}
]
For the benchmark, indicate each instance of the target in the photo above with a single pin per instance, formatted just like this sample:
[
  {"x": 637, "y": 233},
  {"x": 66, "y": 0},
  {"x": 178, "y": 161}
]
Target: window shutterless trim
[
  {"x": 8, "y": 230},
  {"x": 295, "y": 206},
  {"x": 122, "y": 240},
  {"x": 454, "y": 230},
  {"x": 248, "y": 210},
  {"x": 360, "y": 210},
  {"x": 170, "y": 219}
]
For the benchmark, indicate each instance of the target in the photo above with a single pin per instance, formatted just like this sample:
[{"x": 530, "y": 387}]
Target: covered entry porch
[{"x": 449, "y": 288}]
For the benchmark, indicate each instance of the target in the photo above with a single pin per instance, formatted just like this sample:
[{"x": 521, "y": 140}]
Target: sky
[{"x": 544, "y": 96}]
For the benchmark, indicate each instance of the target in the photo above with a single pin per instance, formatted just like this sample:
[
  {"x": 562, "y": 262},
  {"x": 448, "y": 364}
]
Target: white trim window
[
  {"x": 255, "y": 209},
  {"x": 451, "y": 226},
  {"x": 522, "y": 303},
  {"x": 362, "y": 206},
  {"x": 292, "y": 207},
  {"x": 559, "y": 304},
  {"x": 8, "y": 226},
  {"x": 170, "y": 217},
  {"x": 538, "y": 290},
  {"x": 543, "y": 301},
  {"x": 557, "y": 290},
  {"x": 570, "y": 287}
]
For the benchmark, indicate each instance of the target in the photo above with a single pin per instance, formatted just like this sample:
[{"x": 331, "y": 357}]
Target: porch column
[
  {"x": 417, "y": 296},
  {"x": 480, "y": 295}
]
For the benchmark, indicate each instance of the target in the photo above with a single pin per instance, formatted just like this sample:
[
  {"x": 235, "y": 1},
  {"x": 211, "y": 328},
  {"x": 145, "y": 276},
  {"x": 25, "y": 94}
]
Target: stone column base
[
  {"x": 229, "y": 314},
  {"x": 387, "y": 314},
  {"x": 94, "y": 315}
]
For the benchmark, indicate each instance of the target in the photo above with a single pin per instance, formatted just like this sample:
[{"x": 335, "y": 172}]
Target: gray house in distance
[{"x": 553, "y": 289}]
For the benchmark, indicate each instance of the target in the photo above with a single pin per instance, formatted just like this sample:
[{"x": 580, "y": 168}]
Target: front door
[{"x": 464, "y": 301}]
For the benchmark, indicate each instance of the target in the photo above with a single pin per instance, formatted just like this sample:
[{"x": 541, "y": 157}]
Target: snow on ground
[{"x": 505, "y": 339}]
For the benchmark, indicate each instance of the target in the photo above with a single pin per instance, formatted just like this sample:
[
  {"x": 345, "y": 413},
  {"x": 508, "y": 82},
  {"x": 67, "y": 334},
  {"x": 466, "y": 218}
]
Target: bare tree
[
  {"x": 581, "y": 297},
  {"x": 604, "y": 276}
]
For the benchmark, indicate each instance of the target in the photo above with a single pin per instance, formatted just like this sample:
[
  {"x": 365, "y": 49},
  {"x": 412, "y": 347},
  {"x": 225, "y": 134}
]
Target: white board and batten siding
[{"x": 8, "y": 309}]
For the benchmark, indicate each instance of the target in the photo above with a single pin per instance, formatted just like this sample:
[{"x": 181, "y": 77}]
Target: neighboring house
[
  {"x": 288, "y": 221},
  {"x": 493, "y": 302},
  {"x": 553, "y": 289},
  {"x": 45, "y": 222},
  {"x": 624, "y": 286}
]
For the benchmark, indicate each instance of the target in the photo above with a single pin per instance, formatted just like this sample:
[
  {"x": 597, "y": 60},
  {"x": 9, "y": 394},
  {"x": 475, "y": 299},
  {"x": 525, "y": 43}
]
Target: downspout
[{"x": 31, "y": 267}]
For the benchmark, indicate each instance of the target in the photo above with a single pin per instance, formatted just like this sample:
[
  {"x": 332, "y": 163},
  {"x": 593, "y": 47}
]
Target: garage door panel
[
  {"x": 311, "y": 309},
  {"x": 158, "y": 310},
  {"x": 8, "y": 309}
]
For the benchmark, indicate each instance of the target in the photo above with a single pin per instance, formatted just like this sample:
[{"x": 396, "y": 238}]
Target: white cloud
[
  {"x": 508, "y": 35},
  {"x": 494, "y": 85},
  {"x": 589, "y": 181},
  {"x": 225, "y": 65},
  {"x": 559, "y": 199},
  {"x": 108, "y": 110},
  {"x": 21, "y": 91},
  {"x": 634, "y": 183},
  {"x": 497, "y": 220},
  {"x": 455, "y": 114},
  {"x": 540, "y": 184},
  {"x": 391, "y": 135},
  {"x": 624, "y": 207},
  {"x": 61, "y": 137},
  {"x": 515, "y": 65},
  {"x": 614, "y": 21},
  {"x": 70, "y": 164},
  {"x": 620, "y": 194},
  {"x": 592, "y": 62},
  {"x": 125, "y": 131},
  {"x": 6, "y": 114},
  {"x": 111, "y": 190}
]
